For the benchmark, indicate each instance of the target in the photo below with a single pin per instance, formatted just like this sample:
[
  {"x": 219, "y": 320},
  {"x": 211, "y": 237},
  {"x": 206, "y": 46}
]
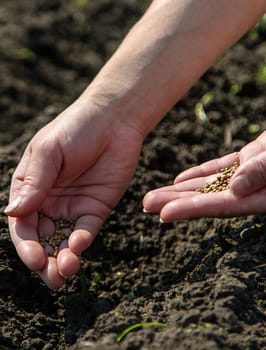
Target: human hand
[
  {"x": 77, "y": 167},
  {"x": 246, "y": 194}
]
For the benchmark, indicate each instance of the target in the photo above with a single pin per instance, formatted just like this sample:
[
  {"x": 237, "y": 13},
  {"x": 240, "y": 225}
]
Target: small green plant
[
  {"x": 235, "y": 88},
  {"x": 207, "y": 98},
  {"x": 261, "y": 74},
  {"x": 253, "y": 129},
  {"x": 88, "y": 290},
  {"x": 200, "y": 113},
  {"x": 254, "y": 32},
  {"x": 25, "y": 54},
  {"x": 80, "y": 3},
  {"x": 135, "y": 326},
  {"x": 96, "y": 279},
  {"x": 203, "y": 327}
]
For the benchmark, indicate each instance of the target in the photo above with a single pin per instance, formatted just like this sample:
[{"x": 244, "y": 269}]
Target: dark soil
[{"x": 204, "y": 278}]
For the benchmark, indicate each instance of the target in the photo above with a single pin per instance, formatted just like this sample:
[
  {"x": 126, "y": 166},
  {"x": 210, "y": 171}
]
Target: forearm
[{"x": 163, "y": 55}]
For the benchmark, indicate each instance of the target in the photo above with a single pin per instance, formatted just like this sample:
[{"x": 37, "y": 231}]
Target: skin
[
  {"x": 79, "y": 165},
  {"x": 245, "y": 196},
  {"x": 81, "y": 185}
]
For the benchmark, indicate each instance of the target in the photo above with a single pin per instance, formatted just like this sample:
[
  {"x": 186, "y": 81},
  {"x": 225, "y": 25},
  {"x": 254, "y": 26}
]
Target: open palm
[{"x": 246, "y": 195}]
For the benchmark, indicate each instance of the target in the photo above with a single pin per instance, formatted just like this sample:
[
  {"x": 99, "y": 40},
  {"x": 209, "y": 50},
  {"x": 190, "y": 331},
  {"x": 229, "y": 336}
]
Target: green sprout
[
  {"x": 261, "y": 74},
  {"x": 254, "y": 32},
  {"x": 96, "y": 279},
  {"x": 139, "y": 325},
  {"x": 24, "y": 53},
  {"x": 207, "y": 98},
  {"x": 200, "y": 113},
  {"x": 83, "y": 283},
  {"x": 80, "y": 3},
  {"x": 253, "y": 129},
  {"x": 262, "y": 21},
  {"x": 203, "y": 327},
  {"x": 235, "y": 88}
]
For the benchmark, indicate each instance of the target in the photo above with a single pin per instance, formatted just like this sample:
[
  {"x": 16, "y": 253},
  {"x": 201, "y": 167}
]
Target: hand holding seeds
[
  {"x": 234, "y": 185},
  {"x": 68, "y": 181}
]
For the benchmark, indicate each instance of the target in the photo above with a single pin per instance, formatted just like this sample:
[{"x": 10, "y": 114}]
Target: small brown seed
[
  {"x": 222, "y": 182},
  {"x": 63, "y": 228}
]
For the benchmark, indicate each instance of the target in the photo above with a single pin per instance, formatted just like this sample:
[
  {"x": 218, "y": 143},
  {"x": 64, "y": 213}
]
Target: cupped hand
[
  {"x": 246, "y": 194},
  {"x": 77, "y": 167}
]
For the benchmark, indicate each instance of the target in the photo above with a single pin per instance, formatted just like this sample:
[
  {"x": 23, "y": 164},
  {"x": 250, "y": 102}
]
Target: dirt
[{"x": 203, "y": 279}]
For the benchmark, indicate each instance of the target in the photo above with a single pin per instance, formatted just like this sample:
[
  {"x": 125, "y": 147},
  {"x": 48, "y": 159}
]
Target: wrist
[{"x": 118, "y": 102}]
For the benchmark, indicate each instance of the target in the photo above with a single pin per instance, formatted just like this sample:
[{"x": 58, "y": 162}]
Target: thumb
[
  {"x": 32, "y": 180},
  {"x": 250, "y": 176}
]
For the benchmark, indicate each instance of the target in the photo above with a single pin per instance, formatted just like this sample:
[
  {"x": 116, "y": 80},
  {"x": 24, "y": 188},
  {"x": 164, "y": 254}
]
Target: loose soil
[{"x": 204, "y": 278}]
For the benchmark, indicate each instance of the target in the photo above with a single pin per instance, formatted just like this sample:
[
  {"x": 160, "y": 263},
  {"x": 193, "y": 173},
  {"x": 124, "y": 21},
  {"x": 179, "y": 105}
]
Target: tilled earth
[{"x": 202, "y": 279}]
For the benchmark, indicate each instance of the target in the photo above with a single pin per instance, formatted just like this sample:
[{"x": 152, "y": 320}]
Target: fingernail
[
  {"x": 13, "y": 205},
  {"x": 240, "y": 185},
  {"x": 145, "y": 210},
  {"x": 161, "y": 221}
]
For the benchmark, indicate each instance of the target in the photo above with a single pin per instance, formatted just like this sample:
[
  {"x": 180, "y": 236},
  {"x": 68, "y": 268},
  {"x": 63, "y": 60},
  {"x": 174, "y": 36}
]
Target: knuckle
[{"x": 29, "y": 182}]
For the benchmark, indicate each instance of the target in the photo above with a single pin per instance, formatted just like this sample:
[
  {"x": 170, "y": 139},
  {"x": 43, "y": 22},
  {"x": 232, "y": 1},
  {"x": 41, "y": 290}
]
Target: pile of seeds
[
  {"x": 63, "y": 228},
  {"x": 222, "y": 182}
]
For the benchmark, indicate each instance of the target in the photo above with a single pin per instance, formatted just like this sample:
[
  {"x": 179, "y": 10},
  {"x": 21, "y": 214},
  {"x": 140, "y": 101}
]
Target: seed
[
  {"x": 51, "y": 243},
  {"x": 222, "y": 182}
]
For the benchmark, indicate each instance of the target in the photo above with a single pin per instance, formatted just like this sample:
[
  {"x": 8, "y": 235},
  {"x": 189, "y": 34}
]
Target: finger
[
  {"x": 207, "y": 168},
  {"x": 68, "y": 263},
  {"x": 154, "y": 200},
  {"x": 16, "y": 185},
  {"x": 218, "y": 204},
  {"x": 25, "y": 238},
  {"x": 250, "y": 176},
  {"x": 50, "y": 274},
  {"x": 86, "y": 229},
  {"x": 33, "y": 178}
]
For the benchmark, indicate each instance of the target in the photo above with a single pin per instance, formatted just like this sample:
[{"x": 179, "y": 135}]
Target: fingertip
[
  {"x": 172, "y": 211},
  {"x": 10, "y": 210},
  {"x": 79, "y": 241},
  {"x": 177, "y": 179},
  {"x": 68, "y": 263},
  {"x": 146, "y": 196},
  {"x": 32, "y": 254},
  {"x": 240, "y": 186},
  {"x": 166, "y": 213},
  {"x": 50, "y": 274},
  {"x": 25, "y": 204},
  {"x": 148, "y": 202}
]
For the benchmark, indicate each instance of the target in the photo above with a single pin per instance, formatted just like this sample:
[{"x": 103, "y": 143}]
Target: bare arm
[
  {"x": 164, "y": 54},
  {"x": 78, "y": 166}
]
